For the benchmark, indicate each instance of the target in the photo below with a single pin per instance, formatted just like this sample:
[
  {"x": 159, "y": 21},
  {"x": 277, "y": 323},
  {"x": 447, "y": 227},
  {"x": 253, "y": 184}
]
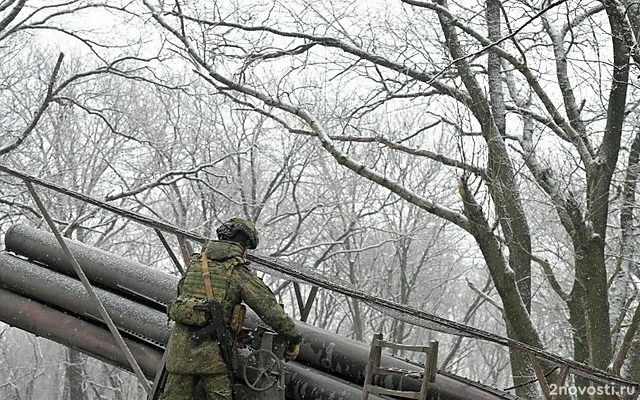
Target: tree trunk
[
  {"x": 74, "y": 375},
  {"x": 628, "y": 257},
  {"x": 591, "y": 275},
  {"x": 518, "y": 321},
  {"x": 580, "y": 342},
  {"x": 521, "y": 363}
]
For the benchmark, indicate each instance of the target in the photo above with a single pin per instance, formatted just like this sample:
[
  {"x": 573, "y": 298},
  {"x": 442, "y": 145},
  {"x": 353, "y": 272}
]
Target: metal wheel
[{"x": 261, "y": 370}]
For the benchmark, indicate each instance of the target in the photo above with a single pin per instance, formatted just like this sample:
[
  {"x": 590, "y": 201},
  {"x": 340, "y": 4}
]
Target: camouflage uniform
[{"x": 232, "y": 282}]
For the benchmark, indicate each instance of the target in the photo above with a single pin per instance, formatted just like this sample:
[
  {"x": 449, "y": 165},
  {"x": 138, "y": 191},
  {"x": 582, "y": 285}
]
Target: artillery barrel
[
  {"x": 119, "y": 274},
  {"x": 52, "y": 288},
  {"x": 34, "y": 317},
  {"x": 324, "y": 386}
]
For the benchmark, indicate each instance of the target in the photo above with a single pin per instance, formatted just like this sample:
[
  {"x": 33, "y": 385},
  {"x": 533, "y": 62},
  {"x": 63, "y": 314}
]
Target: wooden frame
[{"x": 373, "y": 368}]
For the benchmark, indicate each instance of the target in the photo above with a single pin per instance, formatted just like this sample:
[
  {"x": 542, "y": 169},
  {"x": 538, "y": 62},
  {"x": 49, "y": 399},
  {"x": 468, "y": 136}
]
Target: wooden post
[{"x": 374, "y": 362}]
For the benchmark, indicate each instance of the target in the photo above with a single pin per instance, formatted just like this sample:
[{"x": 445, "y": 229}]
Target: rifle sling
[
  {"x": 225, "y": 346},
  {"x": 205, "y": 276}
]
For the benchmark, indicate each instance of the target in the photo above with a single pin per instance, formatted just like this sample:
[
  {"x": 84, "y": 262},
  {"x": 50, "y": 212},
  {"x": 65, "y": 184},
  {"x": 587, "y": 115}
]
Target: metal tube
[
  {"x": 169, "y": 251},
  {"x": 119, "y": 274},
  {"x": 34, "y": 317},
  {"x": 347, "y": 359},
  {"x": 64, "y": 292},
  {"x": 307, "y": 383}
]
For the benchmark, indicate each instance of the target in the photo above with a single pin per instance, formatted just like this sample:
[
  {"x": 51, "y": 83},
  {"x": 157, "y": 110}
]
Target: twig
[
  {"x": 555, "y": 285},
  {"x": 484, "y": 295}
]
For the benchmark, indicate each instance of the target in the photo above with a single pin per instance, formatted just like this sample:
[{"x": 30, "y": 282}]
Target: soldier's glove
[{"x": 291, "y": 352}]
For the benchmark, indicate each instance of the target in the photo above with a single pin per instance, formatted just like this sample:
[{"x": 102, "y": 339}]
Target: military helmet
[{"x": 234, "y": 225}]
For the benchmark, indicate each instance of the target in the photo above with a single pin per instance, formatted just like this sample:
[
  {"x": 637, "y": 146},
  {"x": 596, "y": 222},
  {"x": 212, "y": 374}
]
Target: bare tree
[{"x": 493, "y": 80}]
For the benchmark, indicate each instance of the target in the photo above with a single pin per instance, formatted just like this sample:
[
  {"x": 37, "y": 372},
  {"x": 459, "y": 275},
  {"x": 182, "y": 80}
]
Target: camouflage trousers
[{"x": 182, "y": 387}]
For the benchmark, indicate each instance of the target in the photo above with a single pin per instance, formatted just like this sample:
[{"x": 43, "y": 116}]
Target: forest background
[{"x": 477, "y": 160}]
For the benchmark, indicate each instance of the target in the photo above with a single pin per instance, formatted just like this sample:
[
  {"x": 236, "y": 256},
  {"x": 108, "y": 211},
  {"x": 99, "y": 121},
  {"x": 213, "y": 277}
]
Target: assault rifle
[{"x": 216, "y": 330}]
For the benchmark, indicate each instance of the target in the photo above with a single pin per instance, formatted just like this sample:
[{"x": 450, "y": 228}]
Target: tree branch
[
  {"x": 551, "y": 277},
  {"x": 12, "y": 15},
  {"x": 43, "y": 107},
  {"x": 626, "y": 342},
  {"x": 548, "y": 103},
  {"x": 326, "y": 142},
  {"x": 484, "y": 296},
  {"x": 159, "y": 181}
]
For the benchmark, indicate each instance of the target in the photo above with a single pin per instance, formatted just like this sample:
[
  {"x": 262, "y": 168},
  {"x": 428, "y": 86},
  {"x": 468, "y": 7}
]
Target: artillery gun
[{"x": 39, "y": 293}]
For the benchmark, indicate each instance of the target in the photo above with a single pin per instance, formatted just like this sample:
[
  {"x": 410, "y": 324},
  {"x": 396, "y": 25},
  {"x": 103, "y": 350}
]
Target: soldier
[{"x": 229, "y": 283}]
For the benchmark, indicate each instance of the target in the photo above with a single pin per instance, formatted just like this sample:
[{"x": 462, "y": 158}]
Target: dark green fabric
[
  {"x": 243, "y": 285},
  {"x": 185, "y": 357},
  {"x": 261, "y": 299},
  {"x": 181, "y": 387},
  {"x": 183, "y": 309},
  {"x": 222, "y": 257}
]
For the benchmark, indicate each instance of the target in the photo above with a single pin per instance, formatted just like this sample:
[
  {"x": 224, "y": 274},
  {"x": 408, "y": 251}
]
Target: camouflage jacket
[{"x": 226, "y": 259}]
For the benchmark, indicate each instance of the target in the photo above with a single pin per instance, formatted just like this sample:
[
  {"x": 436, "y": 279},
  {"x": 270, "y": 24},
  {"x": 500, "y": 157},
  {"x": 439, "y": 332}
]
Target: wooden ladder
[{"x": 373, "y": 368}]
